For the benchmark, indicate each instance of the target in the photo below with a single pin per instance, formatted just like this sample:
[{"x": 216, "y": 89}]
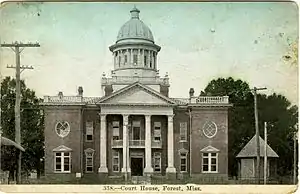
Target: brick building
[{"x": 136, "y": 128}]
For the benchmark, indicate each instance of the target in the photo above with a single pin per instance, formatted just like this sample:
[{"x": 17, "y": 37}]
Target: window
[
  {"x": 157, "y": 131},
  {"x": 157, "y": 162},
  {"x": 145, "y": 61},
  {"x": 150, "y": 63},
  {"x": 116, "y": 130},
  {"x": 183, "y": 162},
  {"x": 119, "y": 61},
  {"x": 89, "y": 131},
  {"x": 210, "y": 129},
  {"x": 62, "y": 128},
  {"x": 89, "y": 160},
  {"x": 209, "y": 162},
  {"x": 62, "y": 162},
  {"x": 135, "y": 59},
  {"x": 183, "y": 131},
  {"x": 125, "y": 59},
  {"x": 136, "y": 130},
  {"x": 116, "y": 161}
]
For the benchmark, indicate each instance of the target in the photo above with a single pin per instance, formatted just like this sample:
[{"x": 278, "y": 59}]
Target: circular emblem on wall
[
  {"x": 210, "y": 129},
  {"x": 62, "y": 128}
]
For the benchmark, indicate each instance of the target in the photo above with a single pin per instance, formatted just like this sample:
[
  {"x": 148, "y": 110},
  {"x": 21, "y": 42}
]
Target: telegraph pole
[
  {"x": 265, "y": 154},
  {"x": 257, "y": 134},
  {"x": 16, "y": 48}
]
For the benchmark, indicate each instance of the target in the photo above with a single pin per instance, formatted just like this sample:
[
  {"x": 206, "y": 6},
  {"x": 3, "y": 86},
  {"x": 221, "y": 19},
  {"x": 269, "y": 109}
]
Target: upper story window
[
  {"x": 62, "y": 128},
  {"x": 135, "y": 59},
  {"x": 150, "y": 63},
  {"x": 145, "y": 61},
  {"x": 136, "y": 130},
  {"x": 89, "y": 160},
  {"x": 210, "y": 129},
  {"x": 157, "y": 131},
  {"x": 116, "y": 130},
  {"x": 183, "y": 131},
  {"x": 126, "y": 59},
  {"x": 89, "y": 130},
  {"x": 115, "y": 161},
  {"x": 119, "y": 62},
  {"x": 157, "y": 161},
  {"x": 62, "y": 162}
]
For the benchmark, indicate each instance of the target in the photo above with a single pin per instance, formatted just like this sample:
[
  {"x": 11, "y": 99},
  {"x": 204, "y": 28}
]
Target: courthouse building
[{"x": 136, "y": 128}]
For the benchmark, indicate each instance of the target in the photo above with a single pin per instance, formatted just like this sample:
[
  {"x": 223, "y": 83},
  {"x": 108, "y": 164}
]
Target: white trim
[
  {"x": 209, "y": 162},
  {"x": 68, "y": 129},
  {"x": 62, "y": 148},
  {"x": 62, "y": 162},
  {"x": 210, "y": 123},
  {"x": 183, "y": 131},
  {"x": 89, "y": 151},
  {"x": 209, "y": 149},
  {"x": 89, "y": 132},
  {"x": 113, "y": 157},
  {"x": 157, "y": 124},
  {"x": 155, "y": 157},
  {"x": 183, "y": 151}
]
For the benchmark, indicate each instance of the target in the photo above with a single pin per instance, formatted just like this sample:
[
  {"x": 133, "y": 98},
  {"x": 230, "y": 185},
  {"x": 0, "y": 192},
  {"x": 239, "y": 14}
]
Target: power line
[{"x": 18, "y": 47}]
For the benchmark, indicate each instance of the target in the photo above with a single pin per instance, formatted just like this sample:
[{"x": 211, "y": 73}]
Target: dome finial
[{"x": 135, "y": 12}]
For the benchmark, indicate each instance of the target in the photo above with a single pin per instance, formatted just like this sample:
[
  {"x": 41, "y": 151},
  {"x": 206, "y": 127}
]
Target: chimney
[
  {"x": 60, "y": 95},
  {"x": 80, "y": 91},
  {"x": 192, "y": 91}
]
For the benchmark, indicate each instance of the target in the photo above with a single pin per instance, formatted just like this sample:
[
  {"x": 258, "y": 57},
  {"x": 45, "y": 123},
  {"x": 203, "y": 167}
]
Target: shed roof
[
  {"x": 8, "y": 142},
  {"x": 250, "y": 150}
]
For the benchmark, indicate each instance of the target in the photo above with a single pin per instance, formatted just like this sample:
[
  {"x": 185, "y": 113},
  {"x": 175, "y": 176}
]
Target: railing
[
  {"x": 117, "y": 143},
  {"x": 210, "y": 100},
  {"x": 131, "y": 79},
  {"x": 156, "y": 144},
  {"x": 63, "y": 99},
  {"x": 203, "y": 100},
  {"x": 136, "y": 143}
]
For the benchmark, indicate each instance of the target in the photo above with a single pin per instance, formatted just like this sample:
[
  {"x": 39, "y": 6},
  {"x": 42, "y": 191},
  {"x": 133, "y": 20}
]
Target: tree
[
  {"x": 32, "y": 125},
  {"x": 274, "y": 109}
]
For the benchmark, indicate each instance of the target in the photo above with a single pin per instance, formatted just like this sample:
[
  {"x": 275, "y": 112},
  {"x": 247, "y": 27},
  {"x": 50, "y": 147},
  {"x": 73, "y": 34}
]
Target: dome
[{"x": 135, "y": 28}]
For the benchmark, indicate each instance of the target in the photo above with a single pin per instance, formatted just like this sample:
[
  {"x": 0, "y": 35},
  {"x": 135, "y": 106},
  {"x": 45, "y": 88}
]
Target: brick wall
[{"x": 73, "y": 116}]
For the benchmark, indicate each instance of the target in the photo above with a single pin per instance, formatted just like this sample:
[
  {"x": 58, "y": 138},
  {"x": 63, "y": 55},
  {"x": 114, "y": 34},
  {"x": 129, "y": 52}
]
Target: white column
[
  {"x": 148, "y": 167},
  {"x": 103, "y": 166},
  {"x": 149, "y": 59},
  {"x": 126, "y": 166},
  {"x": 142, "y": 56},
  {"x": 170, "y": 148}
]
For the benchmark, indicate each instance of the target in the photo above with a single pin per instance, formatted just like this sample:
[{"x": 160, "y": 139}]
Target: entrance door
[{"x": 136, "y": 166}]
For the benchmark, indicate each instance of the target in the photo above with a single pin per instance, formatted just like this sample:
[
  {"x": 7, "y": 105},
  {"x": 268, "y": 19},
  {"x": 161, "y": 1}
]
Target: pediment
[
  {"x": 62, "y": 148},
  {"x": 137, "y": 94},
  {"x": 209, "y": 149}
]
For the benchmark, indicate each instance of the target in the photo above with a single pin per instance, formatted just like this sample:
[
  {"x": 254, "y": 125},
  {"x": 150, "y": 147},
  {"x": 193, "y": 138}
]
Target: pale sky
[{"x": 200, "y": 42}]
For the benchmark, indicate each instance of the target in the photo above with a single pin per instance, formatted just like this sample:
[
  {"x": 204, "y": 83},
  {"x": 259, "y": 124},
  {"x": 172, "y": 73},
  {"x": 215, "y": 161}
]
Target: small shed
[{"x": 247, "y": 160}]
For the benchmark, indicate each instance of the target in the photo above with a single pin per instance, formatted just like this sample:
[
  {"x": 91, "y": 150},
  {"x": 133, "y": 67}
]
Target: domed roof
[{"x": 135, "y": 28}]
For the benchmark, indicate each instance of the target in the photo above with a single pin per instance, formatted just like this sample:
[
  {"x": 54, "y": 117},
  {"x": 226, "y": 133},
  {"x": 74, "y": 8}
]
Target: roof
[
  {"x": 135, "y": 28},
  {"x": 8, "y": 142},
  {"x": 250, "y": 150},
  {"x": 137, "y": 84}
]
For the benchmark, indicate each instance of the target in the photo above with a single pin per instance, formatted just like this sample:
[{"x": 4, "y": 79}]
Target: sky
[{"x": 200, "y": 42}]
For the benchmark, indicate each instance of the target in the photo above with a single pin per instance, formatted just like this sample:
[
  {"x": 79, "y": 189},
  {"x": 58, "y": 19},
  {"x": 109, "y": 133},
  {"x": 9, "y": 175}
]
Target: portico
[{"x": 137, "y": 126}]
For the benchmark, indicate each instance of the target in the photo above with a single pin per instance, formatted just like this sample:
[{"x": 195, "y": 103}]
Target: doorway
[{"x": 136, "y": 166}]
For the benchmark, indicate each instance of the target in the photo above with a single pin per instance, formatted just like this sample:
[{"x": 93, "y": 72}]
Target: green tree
[
  {"x": 32, "y": 125},
  {"x": 275, "y": 109}
]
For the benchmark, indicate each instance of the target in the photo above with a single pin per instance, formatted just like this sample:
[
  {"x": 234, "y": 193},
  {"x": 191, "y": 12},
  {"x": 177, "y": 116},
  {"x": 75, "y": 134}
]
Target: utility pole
[
  {"x": 265, "y": 154},
  {"x": 257, "y": 134},
  {"x": 16, "y": 48}
]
